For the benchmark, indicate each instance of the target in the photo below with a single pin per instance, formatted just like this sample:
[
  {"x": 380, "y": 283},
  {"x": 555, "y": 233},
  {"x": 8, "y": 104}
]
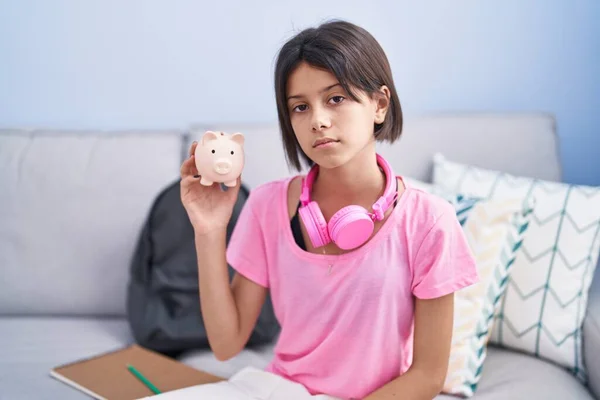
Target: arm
[
  {"x": 229, "y": 311},
  {"x": 432, "y": 338},
  {"x": 591, "y": 336}
]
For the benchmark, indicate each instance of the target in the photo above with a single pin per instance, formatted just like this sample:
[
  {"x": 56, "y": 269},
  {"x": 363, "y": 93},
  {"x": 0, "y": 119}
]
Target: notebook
[{"x": 106, "y": 376}]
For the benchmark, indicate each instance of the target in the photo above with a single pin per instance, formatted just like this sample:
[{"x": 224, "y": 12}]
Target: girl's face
[{"x": 330, "y": 127}]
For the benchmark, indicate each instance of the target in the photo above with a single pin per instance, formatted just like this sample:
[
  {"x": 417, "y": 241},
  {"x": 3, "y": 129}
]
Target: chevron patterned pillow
[
  {"x": 494, "y": 230},
  {"x": 542, "y": 310}
]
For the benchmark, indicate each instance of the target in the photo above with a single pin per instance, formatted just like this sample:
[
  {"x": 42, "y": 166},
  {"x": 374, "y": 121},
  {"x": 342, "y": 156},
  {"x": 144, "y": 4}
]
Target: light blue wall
[{"x": 151, "y": 64}]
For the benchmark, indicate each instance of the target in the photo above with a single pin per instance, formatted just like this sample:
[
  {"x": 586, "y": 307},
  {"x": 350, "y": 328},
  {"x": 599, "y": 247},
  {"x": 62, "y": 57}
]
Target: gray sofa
[{"x": 72, "y": 204}]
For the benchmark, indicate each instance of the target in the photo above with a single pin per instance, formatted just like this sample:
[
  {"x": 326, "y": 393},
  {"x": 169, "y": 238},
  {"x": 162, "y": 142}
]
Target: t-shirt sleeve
[
  {"x": 444, "y": 262},
  {"x": 246, "y": 252}
]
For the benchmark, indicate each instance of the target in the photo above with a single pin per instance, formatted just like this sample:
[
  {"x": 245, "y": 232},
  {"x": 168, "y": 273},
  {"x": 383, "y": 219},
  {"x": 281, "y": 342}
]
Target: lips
[{"x": 324, "y": 141}]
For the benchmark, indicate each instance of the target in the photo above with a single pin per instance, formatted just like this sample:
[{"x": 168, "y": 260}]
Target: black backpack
[{"x": 163, "y": 303}]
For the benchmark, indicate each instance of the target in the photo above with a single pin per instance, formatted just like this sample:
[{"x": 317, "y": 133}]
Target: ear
[
  {"x": 208, "y": 135},
  {"x": 382, "y": 103},
  {"x": 238, "y": 138}
]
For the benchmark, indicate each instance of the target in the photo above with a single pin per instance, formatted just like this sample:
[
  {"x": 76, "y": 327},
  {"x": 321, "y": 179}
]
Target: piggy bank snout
[{"x": 222, "y": 166}]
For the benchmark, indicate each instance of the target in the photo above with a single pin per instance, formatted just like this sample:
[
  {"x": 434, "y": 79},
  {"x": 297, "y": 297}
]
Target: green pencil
[{"x": 142, "y": 378}]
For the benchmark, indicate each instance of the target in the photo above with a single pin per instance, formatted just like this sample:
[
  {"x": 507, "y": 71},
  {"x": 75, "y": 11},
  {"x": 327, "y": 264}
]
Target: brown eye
[
  {"x": 301, "y": 105},
  {"x": 213, "y": 152}
]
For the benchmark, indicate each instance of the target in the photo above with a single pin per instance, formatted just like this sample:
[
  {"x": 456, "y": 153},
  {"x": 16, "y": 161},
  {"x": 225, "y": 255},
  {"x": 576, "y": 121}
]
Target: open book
[{"x": 106, "y": 376}]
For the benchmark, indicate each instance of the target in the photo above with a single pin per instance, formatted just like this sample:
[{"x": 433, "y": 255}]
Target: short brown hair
[{"x": 355, "y": 58}]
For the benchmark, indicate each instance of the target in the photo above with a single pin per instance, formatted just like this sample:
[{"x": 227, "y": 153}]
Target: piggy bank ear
[
  {"x": 238, "y": 138},
  {"x": 208, "y": 136}
]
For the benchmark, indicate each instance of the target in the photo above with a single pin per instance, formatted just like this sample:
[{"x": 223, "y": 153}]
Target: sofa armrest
[{"x": 591, "y": 336}]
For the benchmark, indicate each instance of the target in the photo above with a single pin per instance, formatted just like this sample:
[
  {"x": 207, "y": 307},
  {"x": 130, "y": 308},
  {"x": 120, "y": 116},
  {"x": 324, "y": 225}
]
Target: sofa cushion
[
  {"x": 506, "y": 374},
  {"x": 71, "y": 206},
  {"x": 513, "y": 375},
  {"x": 32, "y": 346},
  {"x": 530, "y": 139}
]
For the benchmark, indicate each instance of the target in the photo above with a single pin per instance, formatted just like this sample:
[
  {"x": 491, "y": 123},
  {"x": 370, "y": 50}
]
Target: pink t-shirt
[{"x": 349, "y": 332}]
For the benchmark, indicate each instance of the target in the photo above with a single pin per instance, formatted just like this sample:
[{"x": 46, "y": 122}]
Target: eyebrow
[{"x": 321, "y": 91}]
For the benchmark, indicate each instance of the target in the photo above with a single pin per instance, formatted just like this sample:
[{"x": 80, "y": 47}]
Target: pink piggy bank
[{"x": 220, "y": 158}]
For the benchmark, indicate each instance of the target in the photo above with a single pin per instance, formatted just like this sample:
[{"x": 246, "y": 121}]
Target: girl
[{"x": 361, "y": 267}]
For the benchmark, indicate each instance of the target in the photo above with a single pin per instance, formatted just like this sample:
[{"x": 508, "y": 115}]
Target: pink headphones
[{"x": 351, "y": 226}]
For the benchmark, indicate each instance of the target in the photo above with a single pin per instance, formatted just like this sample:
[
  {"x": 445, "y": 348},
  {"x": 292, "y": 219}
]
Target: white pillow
[{"x": 544, "y": 305}]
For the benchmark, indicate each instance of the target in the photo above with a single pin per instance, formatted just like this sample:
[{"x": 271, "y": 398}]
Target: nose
[
  {"x": 222, "y": 166},
  {"x": 320, "y": 120}
]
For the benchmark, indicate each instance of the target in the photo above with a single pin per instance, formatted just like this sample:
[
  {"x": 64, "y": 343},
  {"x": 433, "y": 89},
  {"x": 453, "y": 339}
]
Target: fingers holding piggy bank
[{"x": 220, "y": 158}]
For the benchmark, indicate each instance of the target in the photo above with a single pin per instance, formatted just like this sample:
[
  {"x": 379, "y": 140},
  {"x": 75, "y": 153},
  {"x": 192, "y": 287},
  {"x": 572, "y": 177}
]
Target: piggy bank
[{"x": 220, "y": 158}]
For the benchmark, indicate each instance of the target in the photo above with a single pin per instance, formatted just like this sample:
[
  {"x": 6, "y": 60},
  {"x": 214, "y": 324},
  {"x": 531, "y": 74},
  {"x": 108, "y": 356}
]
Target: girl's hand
[{"x": 208, "y": 207}]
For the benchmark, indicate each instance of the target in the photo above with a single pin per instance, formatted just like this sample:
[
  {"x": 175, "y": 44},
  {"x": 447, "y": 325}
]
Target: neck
[{"x": 358, "y": 181}]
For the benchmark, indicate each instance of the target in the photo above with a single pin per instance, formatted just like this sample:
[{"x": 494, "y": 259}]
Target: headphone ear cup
[
  {"x": 315, "y": 224},
  {"x": 351, "y": 227}
]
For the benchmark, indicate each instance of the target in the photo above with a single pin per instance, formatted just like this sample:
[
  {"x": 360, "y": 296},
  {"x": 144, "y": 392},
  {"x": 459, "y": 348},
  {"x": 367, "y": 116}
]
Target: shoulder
[
  {"x": 425, "y": 209},
  {"x": 441, "y": 259}
]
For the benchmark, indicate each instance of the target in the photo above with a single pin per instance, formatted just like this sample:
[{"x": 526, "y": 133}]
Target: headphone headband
[{"x": 389, "y": 195}]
